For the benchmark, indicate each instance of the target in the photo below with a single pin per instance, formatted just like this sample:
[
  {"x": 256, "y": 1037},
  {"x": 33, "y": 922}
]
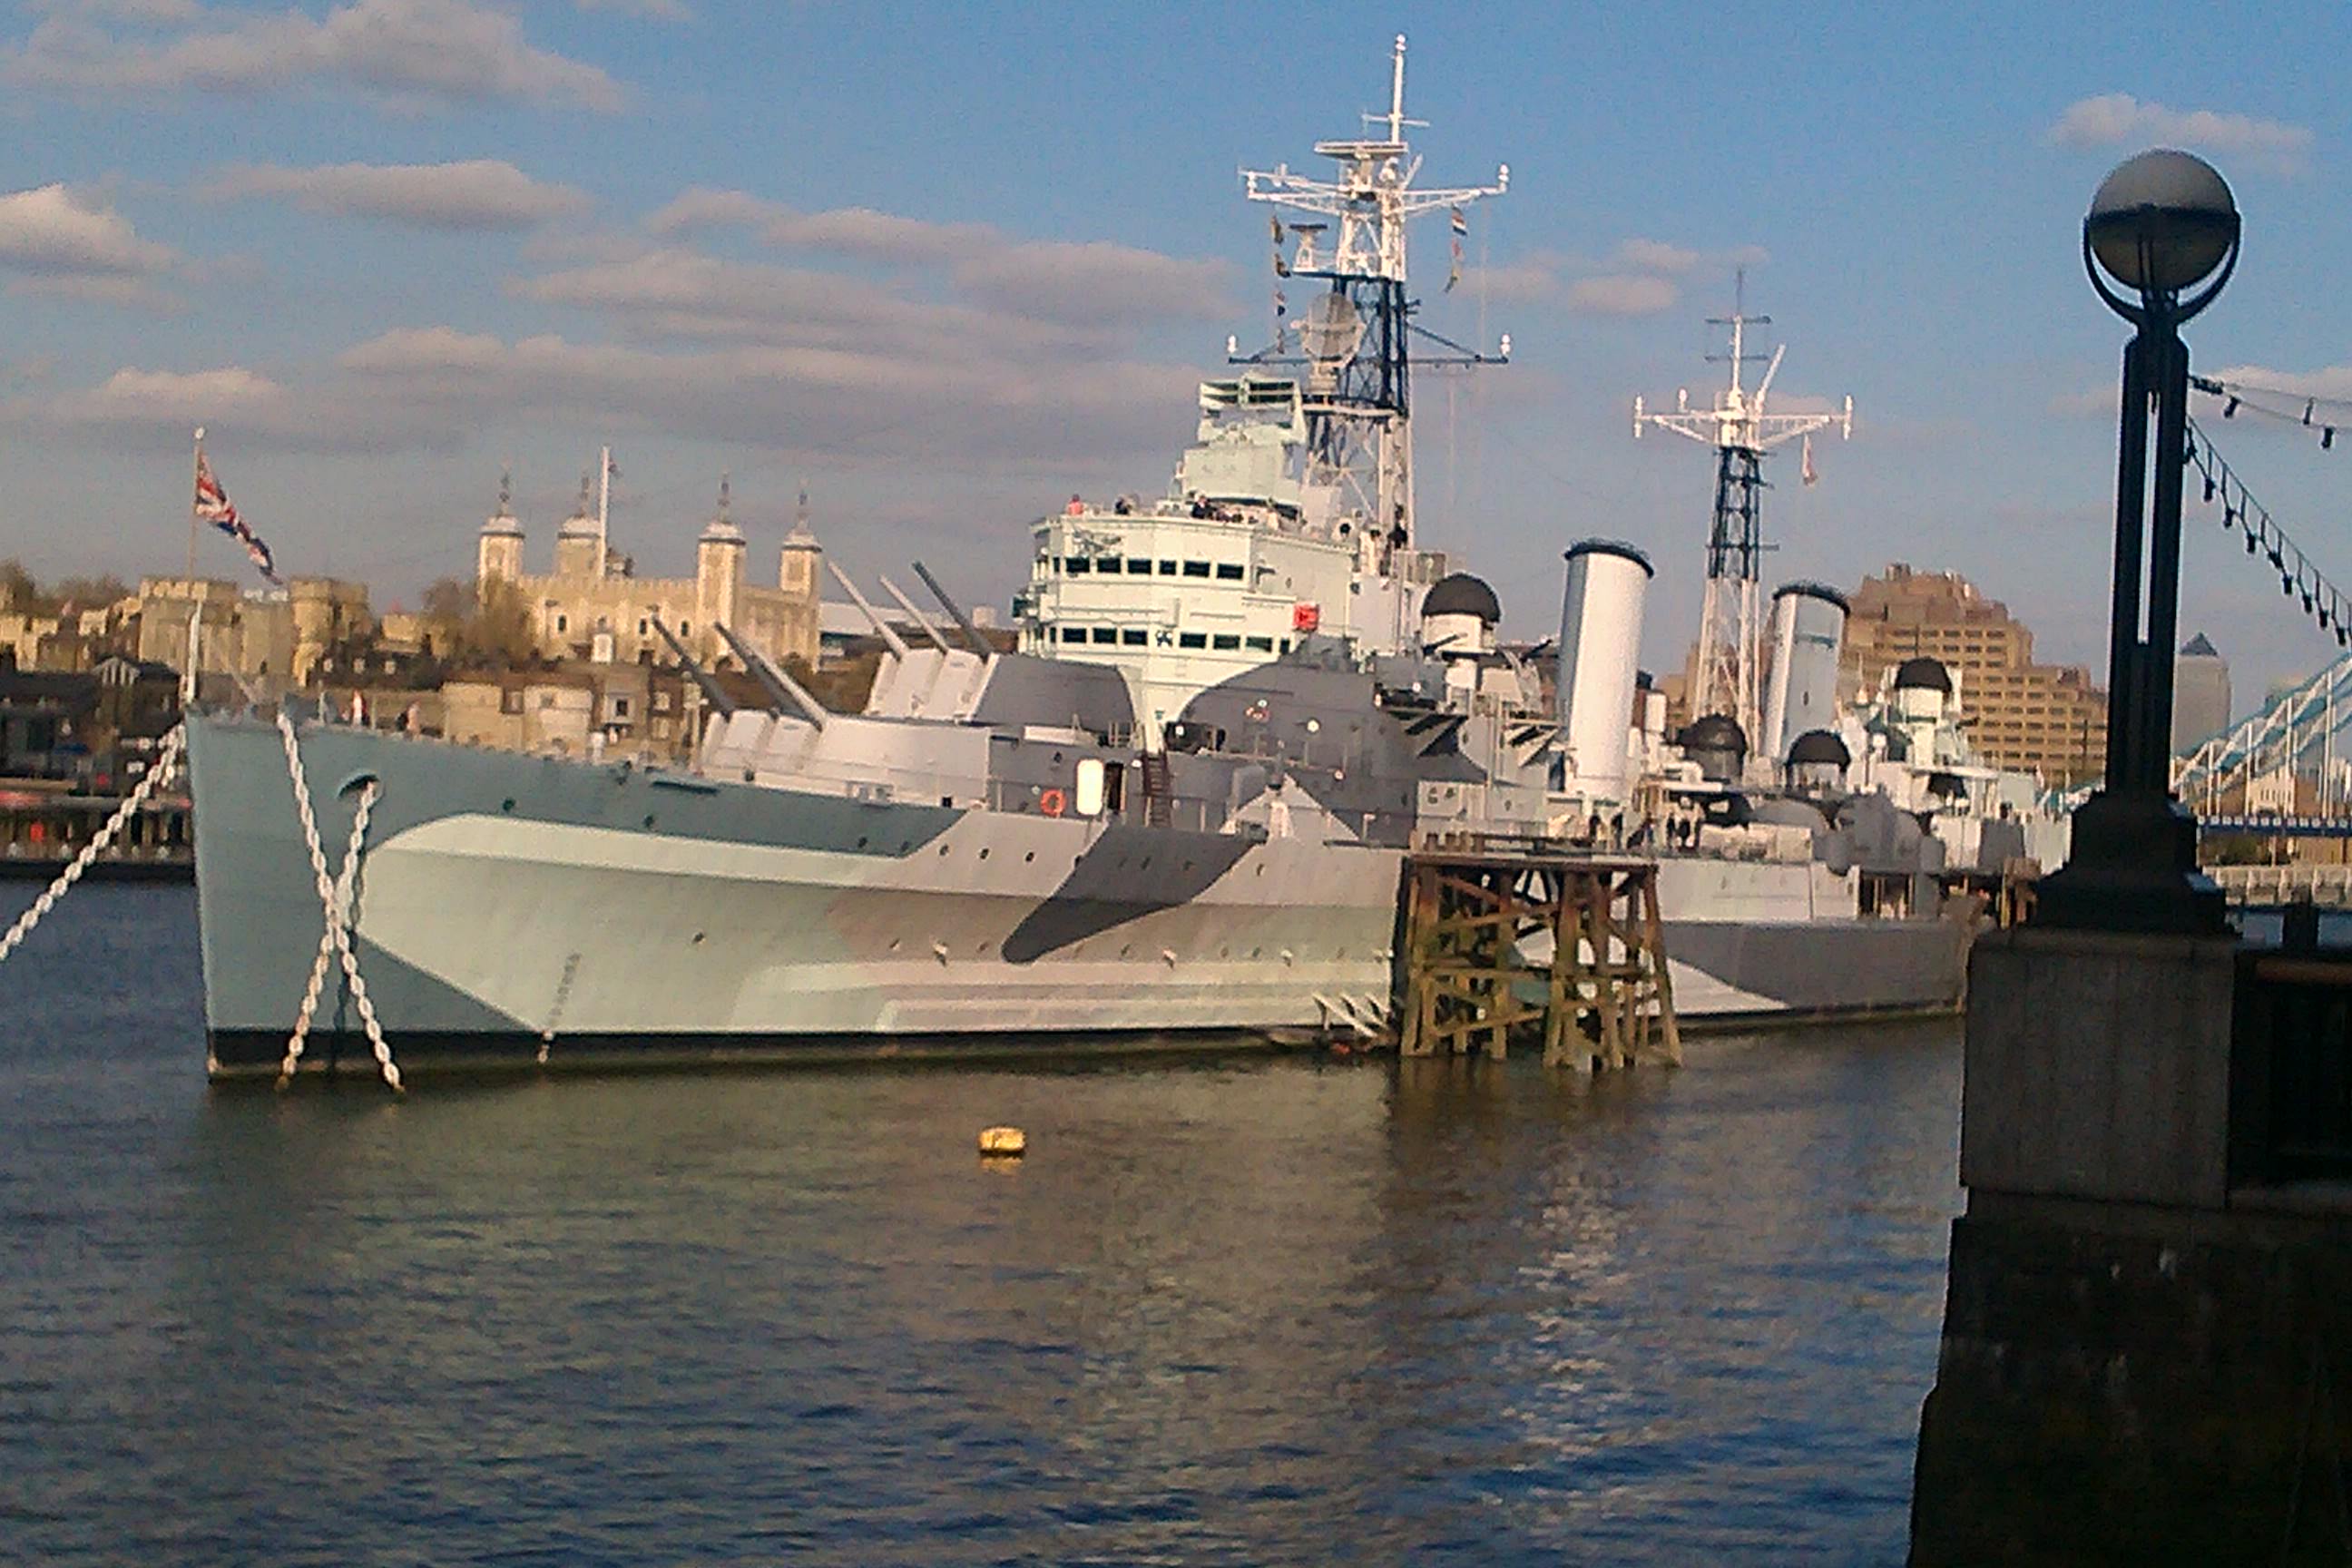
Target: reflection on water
[{"x": 1241, "y": 1311}]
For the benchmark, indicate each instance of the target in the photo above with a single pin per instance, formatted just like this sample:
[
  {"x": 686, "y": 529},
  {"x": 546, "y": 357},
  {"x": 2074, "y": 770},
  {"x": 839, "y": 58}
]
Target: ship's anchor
[{"x": 334, "y": 902}]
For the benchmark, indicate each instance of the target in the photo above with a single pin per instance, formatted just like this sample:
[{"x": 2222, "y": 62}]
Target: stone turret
[
  {"x": 796, "y": 568},
  {"x": 578, "y": 545},
  {"x": 718, "y": 573},
  {"x": 498, "y": 556}
]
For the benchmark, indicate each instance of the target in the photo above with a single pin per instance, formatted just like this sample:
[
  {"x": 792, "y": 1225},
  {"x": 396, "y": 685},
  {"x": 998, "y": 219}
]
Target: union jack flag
[{"x": 212, "y": 506}]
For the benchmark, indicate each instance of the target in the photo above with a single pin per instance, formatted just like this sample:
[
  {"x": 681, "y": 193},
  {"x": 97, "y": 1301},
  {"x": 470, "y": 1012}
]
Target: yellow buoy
[{"x": 1003, "y": 1143}]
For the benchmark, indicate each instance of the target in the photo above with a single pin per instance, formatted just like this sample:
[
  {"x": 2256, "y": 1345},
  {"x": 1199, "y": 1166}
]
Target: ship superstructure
[{"x": 1293, "y": 513}]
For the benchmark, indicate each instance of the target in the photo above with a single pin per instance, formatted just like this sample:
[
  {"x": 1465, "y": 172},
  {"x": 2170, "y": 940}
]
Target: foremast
[{"x": 1354, "y": 338}]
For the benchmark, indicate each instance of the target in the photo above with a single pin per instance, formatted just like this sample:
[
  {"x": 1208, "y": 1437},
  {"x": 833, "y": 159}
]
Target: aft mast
[
  {"x": 1727, "y": 677},
  {"x": 1353, "y": 338}
]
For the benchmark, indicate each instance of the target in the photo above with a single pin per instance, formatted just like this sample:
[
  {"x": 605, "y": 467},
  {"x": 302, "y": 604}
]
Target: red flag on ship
[
  {"x": 1305, "y": 617},
  {"x": 212, "y": 506}
]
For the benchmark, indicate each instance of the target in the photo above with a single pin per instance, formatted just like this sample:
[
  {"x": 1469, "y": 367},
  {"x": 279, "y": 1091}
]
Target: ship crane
[
  {"x": 1727, "y": 677},
  {"x": 1353, "y": 338}
]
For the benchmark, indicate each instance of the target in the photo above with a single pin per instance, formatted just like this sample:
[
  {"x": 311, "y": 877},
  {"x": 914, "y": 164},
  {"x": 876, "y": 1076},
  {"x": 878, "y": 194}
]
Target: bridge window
[
  {"x": 1105, "y": 635},
  {"x": 1139, "y": 568},
  {"x": 1135, "y": 637},
  {"x": 1078, "y": 565},
  {"x": 1109, "y": 564},
  {"x": 1228, "y": 572},
  {"x": 1196, "y": 568},
  {"x": 1168, "y": 568},
  {"x": 1262, "y": 645},
  {"x": 1227, "y": 642},
  {"x": 1191, "y": 639},
  {"x": 1073, "y": 634}
]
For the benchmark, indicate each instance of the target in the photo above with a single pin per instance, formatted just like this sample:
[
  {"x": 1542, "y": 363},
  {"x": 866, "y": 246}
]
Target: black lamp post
[{"x": 2160, "y": 226}]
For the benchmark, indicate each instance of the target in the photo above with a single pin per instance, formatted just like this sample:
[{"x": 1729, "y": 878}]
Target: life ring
[{"x": 1051, "y": 803}]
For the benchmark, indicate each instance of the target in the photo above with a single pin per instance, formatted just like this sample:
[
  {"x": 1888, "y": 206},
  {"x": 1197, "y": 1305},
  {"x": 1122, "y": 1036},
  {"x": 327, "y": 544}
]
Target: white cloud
[
  {"x": 1093, "y": 283},
  {"x": 845, "y": 231},
  {"x": 1520, "y": 283},
  {"x": 2100, "y": 402},
  {"x": 682, "y": 294},
  {"x": 1081, "y": 283},
  {"x": 654, "y": 10},
  {"x": 450, "y": 51},
  {"x": 481, "y": 193},
  {"x": 54, "y": 231},
  {"x": 2115, "y": 118},
  {"x": 2332, "y": 382},
  {"x": 132, "y": 396},
  {"x": 121, "y": 293},
  {"x": 128, "y": 10},
  {"x": 1622, "y": 294},
  {"x": 1656, "y": 256}
]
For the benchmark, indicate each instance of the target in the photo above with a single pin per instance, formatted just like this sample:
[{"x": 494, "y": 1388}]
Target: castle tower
[
  {"x": 579, "y": 544},
  {"x": 498, "y": 555},
  {"x": 717, "y": 575},
  {"x": 796, "y": 571}
]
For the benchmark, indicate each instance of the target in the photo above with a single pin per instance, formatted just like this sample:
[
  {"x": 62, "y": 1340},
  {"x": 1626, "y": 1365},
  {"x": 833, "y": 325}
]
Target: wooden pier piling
[{"x": 1568, "y": 946}]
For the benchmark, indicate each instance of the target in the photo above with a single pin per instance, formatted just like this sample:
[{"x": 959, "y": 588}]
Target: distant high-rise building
[
  {"x": 2039, "y": 717},
  {"x": 2201, "y": 693}
]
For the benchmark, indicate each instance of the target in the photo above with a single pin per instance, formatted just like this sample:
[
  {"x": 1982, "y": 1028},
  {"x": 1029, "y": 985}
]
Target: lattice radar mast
[
  {"x": 1352, "y": 339},
  {"x": 1728, "y": 676}
]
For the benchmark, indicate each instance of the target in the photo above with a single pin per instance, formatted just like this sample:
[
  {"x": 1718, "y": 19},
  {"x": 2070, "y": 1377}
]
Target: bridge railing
[{"x": 2273, "y": 886}]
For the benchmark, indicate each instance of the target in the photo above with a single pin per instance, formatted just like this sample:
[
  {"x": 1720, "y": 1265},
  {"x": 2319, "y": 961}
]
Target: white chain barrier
[
  {"x": 334, "y": 902},
  {"x": 167, "y": 760}
]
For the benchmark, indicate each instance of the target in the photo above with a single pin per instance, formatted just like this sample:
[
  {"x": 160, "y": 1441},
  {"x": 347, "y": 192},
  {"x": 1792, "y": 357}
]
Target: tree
[
  {"x": 486, "y": 626},
  {"x": 90, "y": 593},
  {"x": 17, "y": 590}
]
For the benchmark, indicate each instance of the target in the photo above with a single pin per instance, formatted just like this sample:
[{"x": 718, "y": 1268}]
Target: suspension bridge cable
[
  {"x": 2299, "y": 576},
  {"x": 2325, "y": 415}
]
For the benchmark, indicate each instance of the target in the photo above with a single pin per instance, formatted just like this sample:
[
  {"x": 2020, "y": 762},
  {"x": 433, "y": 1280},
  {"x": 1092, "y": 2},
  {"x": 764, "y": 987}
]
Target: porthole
[
  {"x": 861, "y": 843},
  {"x": 894, "y": 944},
  {"x": 1030, "y": 855},
  {"x": 983, "y": 852},
  {"x": 943, "y": 851},
  {"x": 507, "y": 804},
  {"x": 649, "y": 819},
  {"x": 697, "y": 939}
]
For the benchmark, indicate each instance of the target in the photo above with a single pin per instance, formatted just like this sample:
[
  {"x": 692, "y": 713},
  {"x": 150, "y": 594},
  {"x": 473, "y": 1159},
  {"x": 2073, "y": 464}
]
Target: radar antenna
[
  {"x": 1727, "y": 677},
  {"x": 1353, "y": 338}
]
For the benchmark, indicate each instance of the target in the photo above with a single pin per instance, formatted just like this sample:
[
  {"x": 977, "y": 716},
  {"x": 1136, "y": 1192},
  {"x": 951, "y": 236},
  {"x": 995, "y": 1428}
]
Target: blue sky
[{"x": 945, "y": 264}]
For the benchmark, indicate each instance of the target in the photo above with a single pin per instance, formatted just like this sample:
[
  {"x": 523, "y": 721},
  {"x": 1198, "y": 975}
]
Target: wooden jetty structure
[{"x": 1520, "y": 937}]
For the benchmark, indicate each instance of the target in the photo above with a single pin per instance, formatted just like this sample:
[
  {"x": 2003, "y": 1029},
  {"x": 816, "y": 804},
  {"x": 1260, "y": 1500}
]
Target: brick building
[{"x": 2040, "y": 718}]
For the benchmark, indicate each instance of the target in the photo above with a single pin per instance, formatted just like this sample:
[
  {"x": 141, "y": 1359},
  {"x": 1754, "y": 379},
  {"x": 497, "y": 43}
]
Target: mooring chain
[
  {"x": 334, "y": 901},
  {"x": 166, "y": 762}
]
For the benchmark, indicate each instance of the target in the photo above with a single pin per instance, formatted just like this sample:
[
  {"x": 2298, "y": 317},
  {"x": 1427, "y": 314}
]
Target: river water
[{"x": 1236, "y": 1311}]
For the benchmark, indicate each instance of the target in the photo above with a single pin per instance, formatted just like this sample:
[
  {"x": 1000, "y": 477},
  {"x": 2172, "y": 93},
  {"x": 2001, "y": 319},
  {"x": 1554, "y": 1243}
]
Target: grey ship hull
[{"x": 522, "y": 909}]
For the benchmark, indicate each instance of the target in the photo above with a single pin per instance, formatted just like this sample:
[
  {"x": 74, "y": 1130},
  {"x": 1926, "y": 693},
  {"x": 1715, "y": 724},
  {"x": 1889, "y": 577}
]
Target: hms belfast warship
[{"x": 1196, "y": 822}]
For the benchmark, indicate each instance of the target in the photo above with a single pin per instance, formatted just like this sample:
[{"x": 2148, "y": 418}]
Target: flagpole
[
  {"x": 603, "y": 512},
  {"x": 197, "y": 470}
]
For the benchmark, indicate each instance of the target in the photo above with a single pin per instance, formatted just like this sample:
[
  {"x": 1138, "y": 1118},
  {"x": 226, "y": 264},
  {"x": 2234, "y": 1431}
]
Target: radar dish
[{"x": 1331, "y": 331}]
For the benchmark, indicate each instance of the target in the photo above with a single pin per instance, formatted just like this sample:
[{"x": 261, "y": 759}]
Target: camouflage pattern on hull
[{"x": 608, "y": 911}]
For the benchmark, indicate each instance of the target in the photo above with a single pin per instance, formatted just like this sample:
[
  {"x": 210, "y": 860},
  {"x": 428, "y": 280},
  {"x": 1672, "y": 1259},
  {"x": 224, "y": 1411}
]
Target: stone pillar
[{"x": 2146, "y": 1355}]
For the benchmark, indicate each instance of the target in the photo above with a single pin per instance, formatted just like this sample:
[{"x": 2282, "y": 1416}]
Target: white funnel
[
  {"x": 1808, "y": 635},
  {"x": 1599, "y": 649}
]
